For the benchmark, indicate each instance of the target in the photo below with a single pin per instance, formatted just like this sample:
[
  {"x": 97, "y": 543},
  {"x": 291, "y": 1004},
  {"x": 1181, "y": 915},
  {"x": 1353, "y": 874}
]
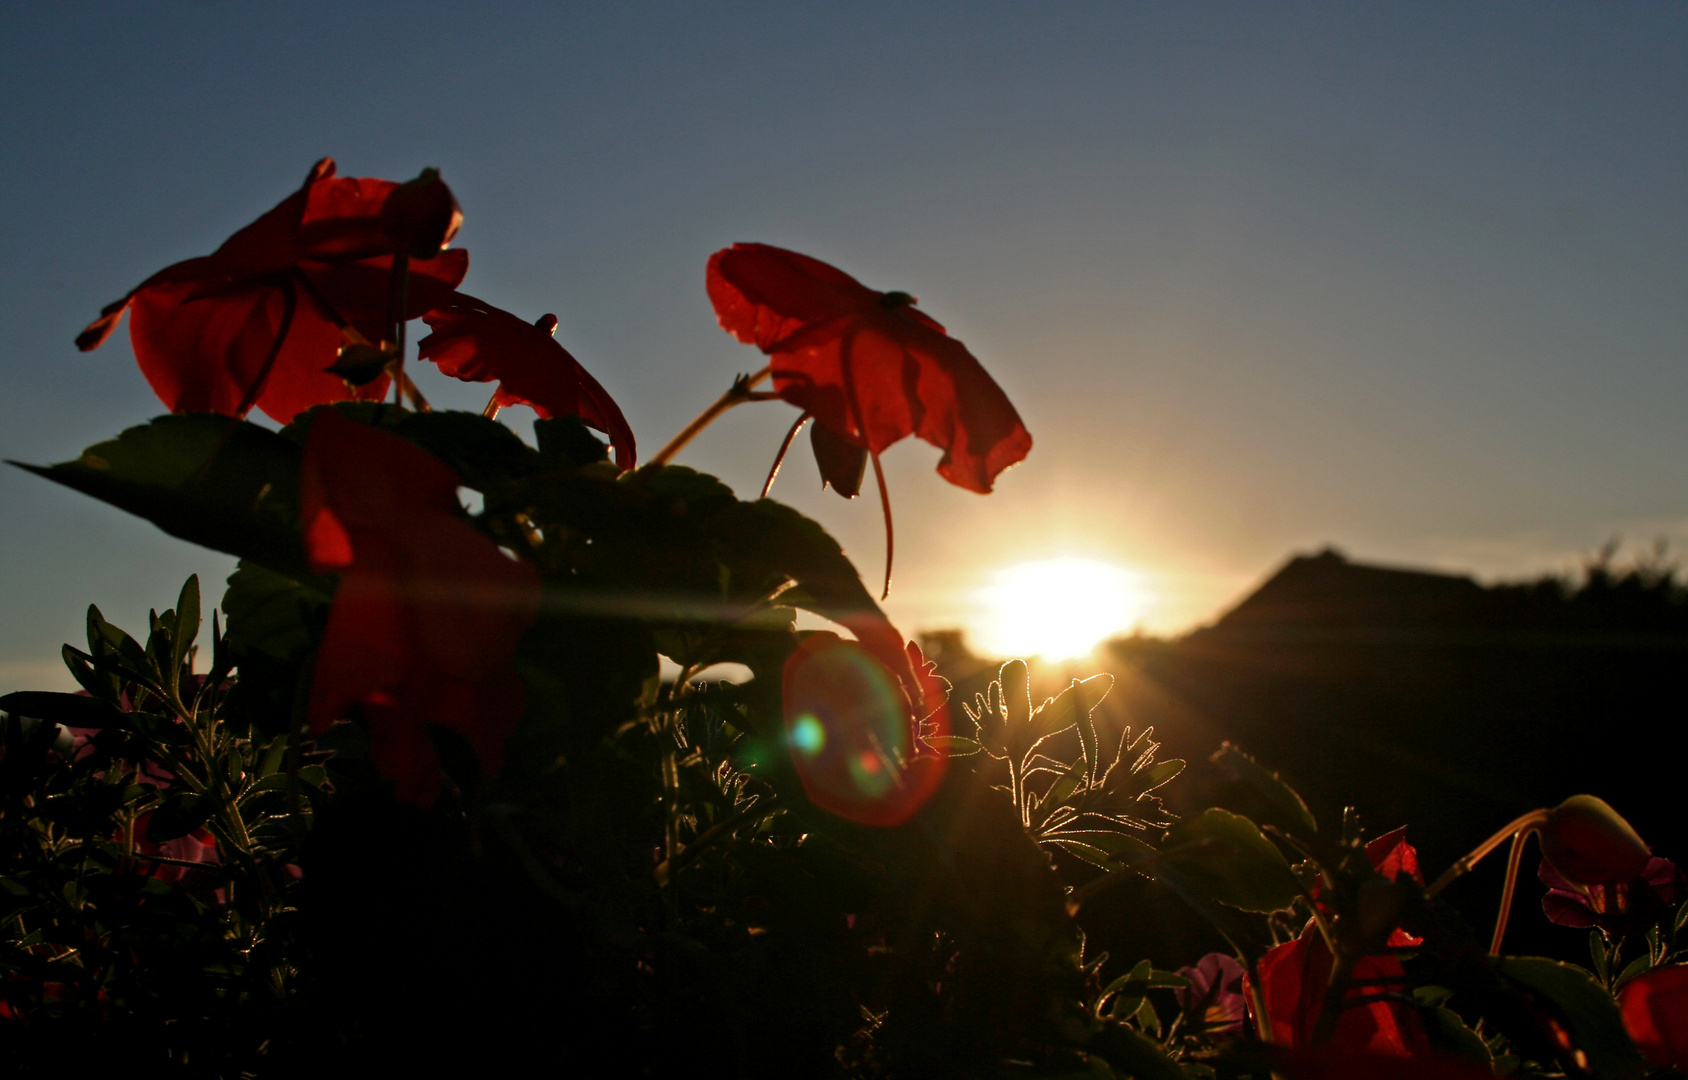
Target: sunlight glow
[{"x": 1058, "y": 609}]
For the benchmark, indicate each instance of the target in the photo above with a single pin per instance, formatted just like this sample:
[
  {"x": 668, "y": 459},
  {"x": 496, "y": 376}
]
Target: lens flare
[{"x": 851, "y": 734}]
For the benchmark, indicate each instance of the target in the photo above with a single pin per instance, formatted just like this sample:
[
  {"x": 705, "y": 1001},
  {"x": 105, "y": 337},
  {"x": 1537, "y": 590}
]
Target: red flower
[
  {"x": 198, "y": 846},
  {"x": 1391, "y": 856},
  {"x": 853, "y": 737},
  {"x": 868, "y": 365},
  {"x": 477, "y": 342},
  {"x": 1590, "y": 843},
  {"x": 1328, "y": 1065},
  {"x": 1618, "y": 907},
  {"x": 1293, "y": 977},
  {"x": 424, "y": 626},
  {"x": 258, "y": 320},
  {"x": 1655, "y": 1012}
]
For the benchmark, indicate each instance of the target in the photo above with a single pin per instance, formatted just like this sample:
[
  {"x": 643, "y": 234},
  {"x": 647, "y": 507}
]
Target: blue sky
[{"x": 1404, "y": 277}]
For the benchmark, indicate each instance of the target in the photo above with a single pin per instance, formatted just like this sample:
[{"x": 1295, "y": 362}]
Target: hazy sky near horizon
[{"x": 1406, "y": 278}]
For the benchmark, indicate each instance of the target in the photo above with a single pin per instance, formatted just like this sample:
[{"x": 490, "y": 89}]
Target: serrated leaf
[
  {"x": 481, "y": 451},
  {"x": 1070, "y": 708},
  {"x": 954, "y": 745},
  {"x": 1146, "y": 779},
  {"x": 1449, "y": 1034},
  {"x": 1595, "y": 1026},
  {"x": 1091, "y": 854},
  {"x": 1224, "y": 855},
  {"x": 1112, "y": 842},
  {"x": 1284, "y": 806},
  {"x": 225, "y": 484},
  {"x": 271, "y": 613}
]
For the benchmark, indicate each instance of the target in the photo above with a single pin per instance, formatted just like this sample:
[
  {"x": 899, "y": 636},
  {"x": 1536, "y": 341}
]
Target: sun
[{"x": 1058, "y": 609}]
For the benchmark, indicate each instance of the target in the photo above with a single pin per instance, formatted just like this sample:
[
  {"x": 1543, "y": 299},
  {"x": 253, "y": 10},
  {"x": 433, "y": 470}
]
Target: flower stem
[
  {"x": 890, "y": 534},
  {"x": 779, "y": 458},
  {"x": 1531, "y": 821},
  {"x": 738, "y": 394},
  {"x": 417, "y": 401},
  {"x": 1513, "y": 858}
]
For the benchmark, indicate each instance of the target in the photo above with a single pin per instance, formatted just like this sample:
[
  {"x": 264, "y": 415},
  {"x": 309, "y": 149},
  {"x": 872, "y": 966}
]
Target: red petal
[
  {"x": 871, "y": 373},
  {"x": 273, "y": 242},
  {"x": 1392, "y": 856},
  {"x": 764, "y": 294},
  {"x": 1292, "y": 981},
  {"x": 365, "y": 648},
  {"x": 1655, "y": 1013},
  {"x": 425, "y": 625},
  {"x": 203, "y": 355},
  {"x": 477, "y": 342},
  {"x": 357, "y": 291},
  {"x": 1327, "y": 1065},
  {"x": 342, "y": 219}
]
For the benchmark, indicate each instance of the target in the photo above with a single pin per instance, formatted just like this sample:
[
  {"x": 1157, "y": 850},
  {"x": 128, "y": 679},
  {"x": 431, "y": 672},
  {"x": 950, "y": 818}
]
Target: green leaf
[
  {"x": 482, "y": 452},
  {"x": 1450, "y": 1035},
  {"x": 1090, "y": 853},
  {"x": 1599, "y": 959},
  {"x": 1596, "y": 1028},
  {"x": 1134, "y": 1054},
  {"x": 271, "y": 613},
  {"x": 1109, "y": 841},
  {"x": 184, "y": 629},
  {"x": 1635, "y": 967},
  {"x": 566, "y": 442},
  {"x": 99, "y": 684},
  {"x": 954, "y": 745},
  {"x": 1283, "y": 807},
  {"x": 1144, "y": 780},
  {"x": 225, "y": 484},
  {"x": 1226, "y": 857},
  {"x": 71, "y": 710}
]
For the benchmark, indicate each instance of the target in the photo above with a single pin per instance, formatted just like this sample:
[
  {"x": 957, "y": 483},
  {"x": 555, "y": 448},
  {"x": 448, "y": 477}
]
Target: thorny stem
[
  {"x": 737, "y": 394},
  {"x": 1531, "y": 822},
  {"x": 890, "y": 534},
  {"x": 779, "y": 458}
]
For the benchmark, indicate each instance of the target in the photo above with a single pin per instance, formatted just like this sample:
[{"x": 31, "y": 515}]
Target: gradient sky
[{"x": 1407, "y": 278}]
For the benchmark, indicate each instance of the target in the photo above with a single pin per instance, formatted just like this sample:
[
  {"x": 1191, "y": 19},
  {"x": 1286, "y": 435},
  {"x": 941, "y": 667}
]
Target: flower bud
[
  {"x": 421, "y": 216},
  {"x": 361, "y": 365},
  {"x": 1589, "y": 843}
]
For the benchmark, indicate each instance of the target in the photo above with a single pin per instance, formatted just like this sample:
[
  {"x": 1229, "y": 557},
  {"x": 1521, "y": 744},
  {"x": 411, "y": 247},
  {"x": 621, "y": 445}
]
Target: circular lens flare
[
  {"x": 851, "y": 734},
  {"x": 1059, "y": 609}
]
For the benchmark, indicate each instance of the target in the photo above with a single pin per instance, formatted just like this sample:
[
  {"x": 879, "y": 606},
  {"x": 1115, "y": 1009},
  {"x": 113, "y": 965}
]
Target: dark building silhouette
[{"x": 1430, "y": 700}]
